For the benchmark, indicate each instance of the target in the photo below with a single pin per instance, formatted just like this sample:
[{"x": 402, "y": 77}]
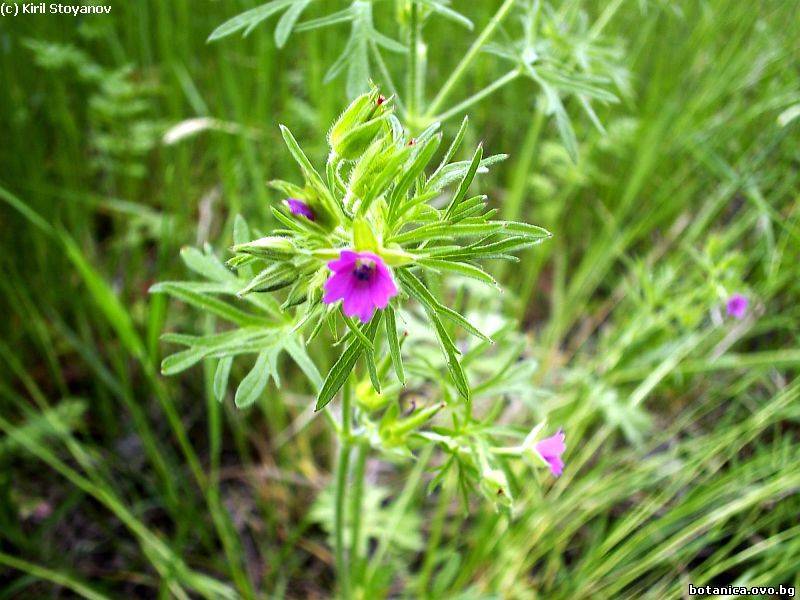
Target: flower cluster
[
  {"x": 367, "y": 234},
  {"x": 360, "y": 246}
]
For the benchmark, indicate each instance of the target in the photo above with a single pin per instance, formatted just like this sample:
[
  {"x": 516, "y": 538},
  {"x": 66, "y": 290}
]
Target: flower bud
[
  {"x": 358, "y": 125},
  {"x": 368, "y": 399},
  {"x": 310, "y": 196},
  {"x": 274, "y": 247}
]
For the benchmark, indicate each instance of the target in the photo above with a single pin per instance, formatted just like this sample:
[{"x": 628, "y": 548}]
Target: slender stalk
[
  {"x": 342, "y": 467},
  {"x": 604, "y": 18},
  {"x": 478, "y": 96},
  {"x": 412, "y": 68},
  {"x": 466, "y": 61},
  {"x": 435, "y": 535},
  {"x": 59, "y": 578},
  {"x": 513, "y": 203},
  {"x": 356, "y": 507}
]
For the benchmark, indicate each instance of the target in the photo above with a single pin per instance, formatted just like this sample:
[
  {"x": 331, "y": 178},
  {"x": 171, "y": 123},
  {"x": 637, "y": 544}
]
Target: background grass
[{"x": 681, "y": 424}]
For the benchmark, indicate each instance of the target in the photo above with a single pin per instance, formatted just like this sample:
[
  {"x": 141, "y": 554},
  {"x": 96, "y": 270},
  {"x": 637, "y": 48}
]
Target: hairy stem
[
  {"x": 435, "y": 534},
  {"x": 342, "y": 467},
  {"x": 356, "y": 507}
]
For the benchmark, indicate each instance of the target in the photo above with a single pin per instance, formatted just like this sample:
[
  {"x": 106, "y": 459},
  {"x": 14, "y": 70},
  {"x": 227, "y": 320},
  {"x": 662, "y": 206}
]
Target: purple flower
[
  {"x": 551, "y": 449},
  {"x": 362, "y": 281},
  {"x": 298, "y": 207},
  {"x": 737, "y": 306}
]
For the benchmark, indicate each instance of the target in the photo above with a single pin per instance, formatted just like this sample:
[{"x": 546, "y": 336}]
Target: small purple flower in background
[
  {"x": 362, "y": 281},
  {"x": 298, "y": 207},
  {"x": 551, "y": 449},
  {"x": 737, "y": 306}
]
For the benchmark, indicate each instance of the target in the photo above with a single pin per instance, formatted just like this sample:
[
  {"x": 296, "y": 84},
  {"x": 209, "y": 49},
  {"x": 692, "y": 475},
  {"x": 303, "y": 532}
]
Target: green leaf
[
  {"x": 466, "y": 181},
  {"x": 241, "y": 231},
  {"x": 415, "y": 169},
  {"x": 311, "y": 174},
  {"x": 435, "y": 231},
  {"x": 457, "y": 318},
  {"x": 578, "y": 84},
  {"x": 342, "y": 16},
  {"x": 300, "y": 356},
  {"x": 394, "y": 344},
  {"x": 455, "y": 171},
  {"x": 353, "y": 326},
  {"x": 451, "y": 356},
  {"x": 465, "y": 269},
  {"x": 342, "y": 368},
  {"x": 418, "y": 291},
  {"x": 452, "y": 149},
  {"x": 563, "y": 124},
  {"x": 445, "y": 11},
  {"x": 531, "y": 232},
  {"x": 221, "y": 375},
  {"x": 180, "y": 361},
  {"x": 206, "y": 264},
  {"x": 213, "y": 305},
  {"x": 300, "y": 157},
  {"x": 248, "y": 19},
  {"x": 287, "y": 21},
  {"x": 255, "y": 381}
]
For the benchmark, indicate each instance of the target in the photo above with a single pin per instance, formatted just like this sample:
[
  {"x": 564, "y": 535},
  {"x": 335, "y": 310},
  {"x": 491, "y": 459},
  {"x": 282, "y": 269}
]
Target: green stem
[
  {"x": 466, "y": 61},
  {"x": 412, "y": 69},
  {"x": 477, "y": 96},
  {"x": 356, "y": 507},
  {"x": 604, "y": 18},
  {"x": 522, "y": 170},
  {"x": 342, "y": 467},
  {"x": 435, "y": 535},
  {"x": 58, "y": 578}
]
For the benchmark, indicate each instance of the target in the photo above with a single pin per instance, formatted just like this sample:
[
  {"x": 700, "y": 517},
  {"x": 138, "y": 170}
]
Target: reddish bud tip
[{"x": 381, "y": 100}]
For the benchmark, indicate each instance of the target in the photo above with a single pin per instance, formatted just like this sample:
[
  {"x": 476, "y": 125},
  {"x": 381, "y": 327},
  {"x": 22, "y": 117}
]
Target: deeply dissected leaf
[{"x": 248, "y": 20}]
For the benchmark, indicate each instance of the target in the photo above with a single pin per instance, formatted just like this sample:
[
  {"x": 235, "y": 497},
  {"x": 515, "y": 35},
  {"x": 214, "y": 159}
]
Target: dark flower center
[{"x": 364, "y": 269}]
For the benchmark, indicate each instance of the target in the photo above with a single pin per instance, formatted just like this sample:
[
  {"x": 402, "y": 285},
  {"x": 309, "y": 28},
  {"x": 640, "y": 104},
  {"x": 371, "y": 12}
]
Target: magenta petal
[
  {"x": 362, "y": 281},
  {"x": 298, "y": 207},
  {"x": 551, "y": 449},
  {"x": 347, "y": 259},
  {"x": 359, "y": 304},
  {"x": 737, "y": 306},
  {"x": 556, "y": 465},
  {"x": 337, "y": 287}
]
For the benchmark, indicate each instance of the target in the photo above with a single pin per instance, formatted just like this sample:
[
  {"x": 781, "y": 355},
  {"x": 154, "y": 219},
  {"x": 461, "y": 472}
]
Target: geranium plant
[
  {"x": 353, "y": 250},
  {"x": 382, "y": 252}
]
